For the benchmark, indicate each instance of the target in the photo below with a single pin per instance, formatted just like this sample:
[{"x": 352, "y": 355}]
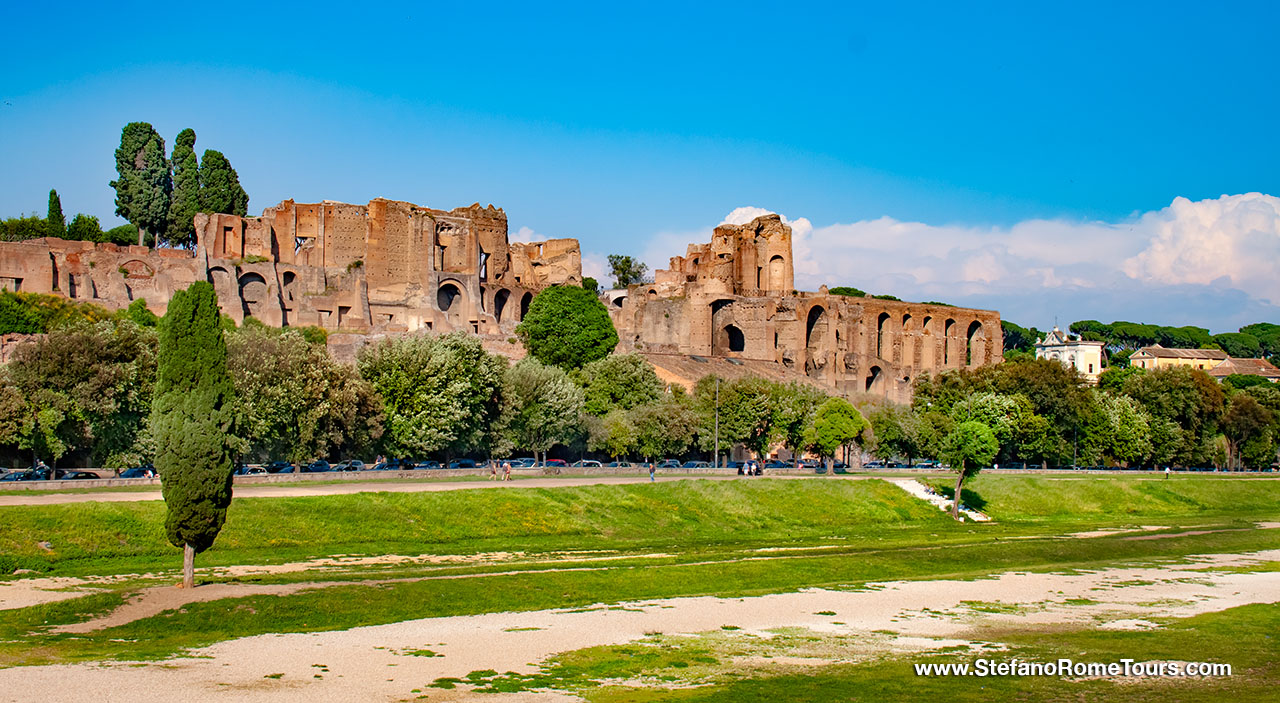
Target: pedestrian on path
[
  {"x": 651, "y": 471},
  {"x": 506, "y": 471},
  {"x": 493, "y": 471},
  {"x": 1166, "y": 473}
]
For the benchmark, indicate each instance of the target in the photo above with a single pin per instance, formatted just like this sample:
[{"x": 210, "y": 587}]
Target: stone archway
[
  {"x": 447, "y": 296},
  {"x": 500, "y": 300},
  {"x": 731, "y": 339},
  {"x": 882, "y": 323},
  {"x": 817, "y": 346},
  {"x": 525, "y": 301},
  {"x": 253, "y": 293},
  {"x": 777, "y": 273},
  {"x": 974, "y": 355}
]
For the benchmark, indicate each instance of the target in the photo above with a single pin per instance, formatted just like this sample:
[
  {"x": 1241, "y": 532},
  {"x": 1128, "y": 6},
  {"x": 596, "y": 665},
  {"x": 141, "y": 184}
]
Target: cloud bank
[{"x": 1211, "y": 263}]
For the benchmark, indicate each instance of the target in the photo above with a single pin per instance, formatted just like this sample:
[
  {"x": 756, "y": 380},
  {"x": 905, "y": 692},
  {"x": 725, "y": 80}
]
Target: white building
[{"x": 1085, "y": 357}]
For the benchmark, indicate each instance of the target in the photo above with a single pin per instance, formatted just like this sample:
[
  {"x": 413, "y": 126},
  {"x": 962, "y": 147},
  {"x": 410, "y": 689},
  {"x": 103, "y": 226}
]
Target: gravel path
[
  {"x": 286, "y": 490},
  {"x": 385, "y": 662}
]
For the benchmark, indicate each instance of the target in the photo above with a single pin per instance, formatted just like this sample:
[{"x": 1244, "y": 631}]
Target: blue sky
[{"x": 1019, "y": 130}]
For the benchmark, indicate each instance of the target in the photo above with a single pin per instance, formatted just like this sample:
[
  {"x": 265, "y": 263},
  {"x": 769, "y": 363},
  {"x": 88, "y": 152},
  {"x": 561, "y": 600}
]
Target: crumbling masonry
[{"x": 392, "y": 266}]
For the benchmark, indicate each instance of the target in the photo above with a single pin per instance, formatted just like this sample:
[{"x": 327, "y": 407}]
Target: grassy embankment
[{"x": 847, "y": 532}]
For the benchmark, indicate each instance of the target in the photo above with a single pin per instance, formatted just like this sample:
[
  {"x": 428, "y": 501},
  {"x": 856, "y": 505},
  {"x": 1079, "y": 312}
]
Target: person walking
[
  {"x": 493, "y": 471},
  {"x": 651, "y": 472},
  {"x": 1166, "y": 472},
  {"x": 506, "y": 471}
]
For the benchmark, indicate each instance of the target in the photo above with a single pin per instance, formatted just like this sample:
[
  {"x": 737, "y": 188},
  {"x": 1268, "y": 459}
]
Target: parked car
[
  {"x": 317, "y": 467},
  {"x": 351, "y": 465},
  {"x": 669, "y": 464},
  {"x": 279, "y": 467},
  {"x": 425, "y": 465},
  {"x": 621, "y": 465},
  {"x": 385, "y": 466},
  {"x": 585, "y": 463},
  {"x": 462, "y": 464},
  {"x": 144, "y": 471},
  {"x": 696, "y": 465},
  {"x": 19, "y": 476},
  {"x": 775, "y": 464},
  {"x": 524, "y": 463}
]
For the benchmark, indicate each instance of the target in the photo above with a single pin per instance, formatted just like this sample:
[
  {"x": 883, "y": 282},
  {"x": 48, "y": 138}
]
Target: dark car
[
  {"x": 279, "y": 467},
  {"x": 385, "y": 466},
  {"x": 461, "y": 464},
  {"x": 424, "y": 465},
  {"x": 558, "y": 463},
  {"x": 138, "y": 472},
  {"x": 317, "y": 467},
  {"x": 620, "y": 465},
  {"x": 77, "y": 475},
  {"x": 775, "y": 464},
  {"x": 669, "y": 464},
  {"x": 695, "y": 465},
  {"x": 19, "y": 476},
  {"x": 351, "y": 465}
]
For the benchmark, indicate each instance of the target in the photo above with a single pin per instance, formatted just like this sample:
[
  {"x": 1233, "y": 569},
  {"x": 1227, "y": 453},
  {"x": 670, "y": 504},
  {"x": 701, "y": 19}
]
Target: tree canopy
[
  {"x": 144, "y": 183},
  {"x": 626, "y": 270},
  {"x": 567, "y": 326}
]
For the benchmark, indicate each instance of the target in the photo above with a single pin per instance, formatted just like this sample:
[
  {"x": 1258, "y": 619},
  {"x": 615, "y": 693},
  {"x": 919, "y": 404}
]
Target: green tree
[
  {"x": 1246, "y": 422},
  {"x": 750, "y": 406},
  {"x": 664, "y": 428},
  {"x": 591, "y": 284},
  {"x": 185, "y": 202},
  {"x": 439, "y": 394},
  {"x": 1114, "y": 378},
  {"x": 969, "y": 447},
  {"x": 19, "y": 229},
  {"x": 123, "y": 235},
  {"x": 616, "y": 436},
  {"x": 1187, "y": 397},
  {"x": 836, "y": 423},
  {"x": 626, "y": 270},
  {"x": 895, "y": 431},
  {"x": 1239, "y": 344},
  {"x": 848, "y": 291},
  {"x": 294, "y": 401},
  {"x": 84, "y": 228},
  {"x": 794, "y": 405},
  {"x": 545, "y": 406},
  {"x": 618, "y": 381},
  {"x": 192, "y": 415},
  {"x": 1121, "y": 429},
  {"x": 144, "y": 183},
  {"x": 57, "y": 222},
  {"x": 220, "y": 189},
  {"x": 567, "y": 326}
]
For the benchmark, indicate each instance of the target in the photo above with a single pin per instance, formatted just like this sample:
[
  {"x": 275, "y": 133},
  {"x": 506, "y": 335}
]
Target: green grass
[
  {"x": 1034, "y": 498},
  {"x": 1244, "y": 637},
  {"x": 266, "y": 529}
]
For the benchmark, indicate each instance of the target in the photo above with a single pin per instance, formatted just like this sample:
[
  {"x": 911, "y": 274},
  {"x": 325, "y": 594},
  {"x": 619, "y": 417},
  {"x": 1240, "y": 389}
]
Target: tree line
[
  {"x": 1122, "y": 339},
  {"x": 1044, "y": 413},
  {"x": 159, "y": 194}
]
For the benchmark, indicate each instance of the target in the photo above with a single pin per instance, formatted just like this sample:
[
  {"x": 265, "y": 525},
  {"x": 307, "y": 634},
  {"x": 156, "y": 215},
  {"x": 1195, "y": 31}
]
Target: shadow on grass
[{"x": 969, "y": 499}]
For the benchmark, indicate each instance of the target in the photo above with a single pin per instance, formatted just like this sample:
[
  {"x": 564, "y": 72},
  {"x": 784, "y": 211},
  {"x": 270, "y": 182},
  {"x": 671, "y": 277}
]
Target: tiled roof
[
  {"x": 1162, "y": 353},
  {"x": 1247, "y": 367}
]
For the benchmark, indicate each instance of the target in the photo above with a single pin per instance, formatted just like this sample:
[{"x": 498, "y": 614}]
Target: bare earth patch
[{"x": 375, "y": 663}]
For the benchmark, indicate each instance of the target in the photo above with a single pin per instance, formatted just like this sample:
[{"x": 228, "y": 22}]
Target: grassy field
[{"x": 639, "y": 541}]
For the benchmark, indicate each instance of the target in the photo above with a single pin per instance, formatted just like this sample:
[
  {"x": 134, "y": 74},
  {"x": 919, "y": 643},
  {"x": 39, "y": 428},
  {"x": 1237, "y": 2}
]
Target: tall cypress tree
[
  {"x": 144, "y": 185},
  {"x": 191, "y": 416},
  {"x": 220, "y": 189},
  {"x": 57, "y": 221},
  {"x": 185, "y": 202}
]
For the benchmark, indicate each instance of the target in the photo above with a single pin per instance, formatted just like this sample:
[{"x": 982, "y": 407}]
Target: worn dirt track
[{"x": 385, "y": 662}]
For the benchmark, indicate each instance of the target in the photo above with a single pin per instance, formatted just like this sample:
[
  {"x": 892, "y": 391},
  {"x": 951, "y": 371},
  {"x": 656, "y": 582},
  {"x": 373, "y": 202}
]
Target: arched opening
[
  {"x": 975, "y": 328},
  {"x": 732, "y": 339},
  {"x": 777, "y": 273},
  {"x": 525, "y": 300},
  {"x": 880, "y": 330},
  {"x": 618, "y": 301},
  {"x": 653, "y": 293},
  {"x": 500, "y": 303},
  {"x": 875, "y": 379},
  {"x": 288, "y": 281},
  {"x": 253, "y": 292},
  {"x": 947, "y": 334},
  {"x": 446, "y": 296},
  {"x": 817, "y": 322},
  {"x": 928, "y": 343},
  {"x": 907, "y": 341}
]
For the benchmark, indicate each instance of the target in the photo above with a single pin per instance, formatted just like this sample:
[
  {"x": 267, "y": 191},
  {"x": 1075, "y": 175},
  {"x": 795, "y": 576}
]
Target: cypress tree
[
  {"x": 57, "y": 221},
  {"x": 220, "y": 189},
  {"x": 191, "y": 416},
  {"x": 185, "y": 202},
  {"x": 145, "y": 183}
]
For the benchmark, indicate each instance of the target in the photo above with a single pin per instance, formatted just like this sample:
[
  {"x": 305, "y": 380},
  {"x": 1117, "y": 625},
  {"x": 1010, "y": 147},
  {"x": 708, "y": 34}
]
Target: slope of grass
[
  {"x": 382, "y": 523},
  {"x": 1032, "y": 498}
]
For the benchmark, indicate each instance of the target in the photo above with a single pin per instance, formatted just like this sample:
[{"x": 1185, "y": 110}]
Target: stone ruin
[
  {"x": 388, "y": 266},
  {"x": 393, "y": 267},
  {"x": 735, "y": 298}
]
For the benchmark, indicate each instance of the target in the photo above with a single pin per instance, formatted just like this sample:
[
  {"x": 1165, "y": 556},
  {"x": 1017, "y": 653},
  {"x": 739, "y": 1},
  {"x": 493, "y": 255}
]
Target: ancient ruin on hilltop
[
  {"x": 392, "y": 266},
  {"x": 735, "y": 298}
]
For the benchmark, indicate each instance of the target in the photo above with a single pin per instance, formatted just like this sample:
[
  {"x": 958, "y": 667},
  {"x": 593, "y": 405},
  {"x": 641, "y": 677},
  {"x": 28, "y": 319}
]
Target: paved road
[{"x": 281, "y": 490}]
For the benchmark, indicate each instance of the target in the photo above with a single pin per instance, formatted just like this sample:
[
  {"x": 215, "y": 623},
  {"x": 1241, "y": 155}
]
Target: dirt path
[
  {"x": 289, "y": 490},
  {"x": 386, "y": 662}
]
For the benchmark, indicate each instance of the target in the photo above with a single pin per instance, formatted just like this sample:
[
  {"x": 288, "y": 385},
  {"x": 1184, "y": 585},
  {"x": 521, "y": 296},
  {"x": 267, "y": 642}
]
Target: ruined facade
[
  {"x": 734, "y": 298},
  {"x": 388, "y": 266}
]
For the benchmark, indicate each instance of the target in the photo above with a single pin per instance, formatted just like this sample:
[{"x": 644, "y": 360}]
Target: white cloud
[
  {"x": 524, "y": 234},
  {"x": 596, "y": 266},
  {"x": 1212, "y": 263}
]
